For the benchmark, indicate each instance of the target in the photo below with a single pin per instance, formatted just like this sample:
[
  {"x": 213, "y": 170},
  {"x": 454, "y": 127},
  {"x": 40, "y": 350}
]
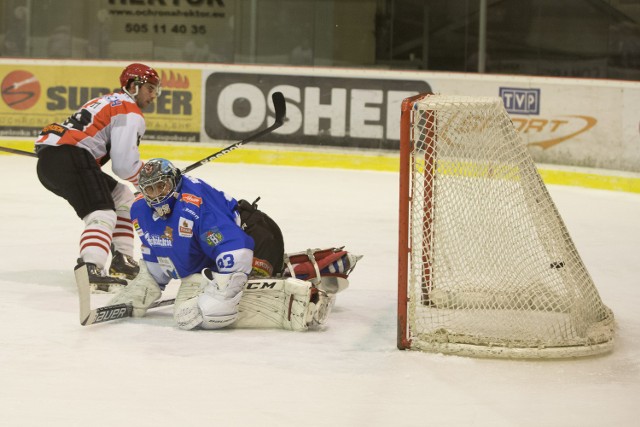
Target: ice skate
[
  {"x": 100, "y": 282},
  {"x": 123, "y": 266}
]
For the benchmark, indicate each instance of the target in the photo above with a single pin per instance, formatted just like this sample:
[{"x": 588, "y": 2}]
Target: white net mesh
[{"x": 492, "y": 268}]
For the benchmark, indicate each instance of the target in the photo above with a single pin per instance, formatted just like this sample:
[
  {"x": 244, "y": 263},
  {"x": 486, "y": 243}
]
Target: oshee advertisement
[
  {"x": 328, "y": 111},
  {"x": 34, "y": 96}
]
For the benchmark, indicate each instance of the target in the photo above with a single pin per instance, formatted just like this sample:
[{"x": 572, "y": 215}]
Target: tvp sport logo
[
  {"x": 20, "y": 90},
  {"x": 521, "y": 101}
]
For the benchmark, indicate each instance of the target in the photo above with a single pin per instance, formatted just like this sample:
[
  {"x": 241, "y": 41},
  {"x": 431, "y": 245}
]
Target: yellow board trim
[{"x": 337, "y": 160}]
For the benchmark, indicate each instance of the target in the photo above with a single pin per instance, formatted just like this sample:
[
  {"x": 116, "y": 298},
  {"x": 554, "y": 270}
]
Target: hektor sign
[{"x": 34, "y": 96}]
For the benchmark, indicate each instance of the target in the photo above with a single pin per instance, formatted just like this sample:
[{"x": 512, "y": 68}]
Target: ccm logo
[{"x": 261, "y": 285}]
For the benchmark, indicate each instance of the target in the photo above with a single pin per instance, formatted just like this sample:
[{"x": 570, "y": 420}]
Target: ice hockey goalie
[{"x": 299, "y": 299}]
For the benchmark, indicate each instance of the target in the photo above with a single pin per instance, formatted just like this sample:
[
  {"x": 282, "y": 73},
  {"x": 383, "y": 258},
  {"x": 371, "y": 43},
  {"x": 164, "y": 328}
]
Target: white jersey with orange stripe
[{"x": 109, "y": 127}]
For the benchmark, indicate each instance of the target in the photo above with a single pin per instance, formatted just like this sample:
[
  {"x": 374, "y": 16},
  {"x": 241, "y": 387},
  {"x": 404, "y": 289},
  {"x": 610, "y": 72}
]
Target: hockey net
[{"x": 486, "y": 265}]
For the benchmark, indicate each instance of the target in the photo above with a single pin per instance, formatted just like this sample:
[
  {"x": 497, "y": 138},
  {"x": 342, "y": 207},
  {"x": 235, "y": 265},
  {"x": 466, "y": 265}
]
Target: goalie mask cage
[{"x": 486, "y": 265}]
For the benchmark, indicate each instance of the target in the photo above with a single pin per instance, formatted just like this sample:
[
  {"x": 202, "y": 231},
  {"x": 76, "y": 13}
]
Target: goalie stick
[
  {"x": 102, "y": 314},
  {"x": 280, "y": 109}
]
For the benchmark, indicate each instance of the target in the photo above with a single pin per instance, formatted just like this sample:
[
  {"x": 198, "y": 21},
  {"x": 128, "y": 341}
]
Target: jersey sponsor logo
[
  {"x": 54, "y": 128},
  {"x": 185, "y": 227},
  {"x": 168, "y": 233},
  {"x": 189, "y": 211},
  {"x": 190, "y": 198},
  {"x": 136, "y": 227},
  {"x": 155, "y": 240},
  {"x": 212, "y": 237},
  {"x": 261, "y": 267}
]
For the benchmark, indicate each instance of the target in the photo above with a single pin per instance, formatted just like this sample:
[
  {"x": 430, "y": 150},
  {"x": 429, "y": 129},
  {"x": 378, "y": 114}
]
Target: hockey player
[
  {"x": 70, "y": 157},
  {"x": 186, "y": 226}
]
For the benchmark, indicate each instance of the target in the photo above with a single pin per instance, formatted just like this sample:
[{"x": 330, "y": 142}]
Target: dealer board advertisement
[
  {"x": 579, "y": 122},
  {"x": 346, "y": 111},
  {"x": 34, "y": 96}
]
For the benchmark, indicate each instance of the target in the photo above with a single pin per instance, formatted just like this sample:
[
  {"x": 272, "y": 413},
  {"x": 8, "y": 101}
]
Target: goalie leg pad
[
  {"x": 290, "y": 304},
  {"x": 140, "y": 293},
  {"x": 324, "y": 306}
]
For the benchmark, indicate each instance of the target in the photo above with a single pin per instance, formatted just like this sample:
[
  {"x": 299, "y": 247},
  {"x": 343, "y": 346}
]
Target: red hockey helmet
[{"x": 140, "y": 74}]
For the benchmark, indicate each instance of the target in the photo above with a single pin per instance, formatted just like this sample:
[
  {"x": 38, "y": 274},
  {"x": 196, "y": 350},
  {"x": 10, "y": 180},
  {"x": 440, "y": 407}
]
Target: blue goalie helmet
[{"x": 160, "y": 183}]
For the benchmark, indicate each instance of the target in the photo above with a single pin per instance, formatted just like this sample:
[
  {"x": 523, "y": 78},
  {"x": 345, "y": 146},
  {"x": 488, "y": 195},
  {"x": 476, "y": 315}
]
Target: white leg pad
[
  {"x": 140, "y": 293},
  {"x": 280, "y": 303}
]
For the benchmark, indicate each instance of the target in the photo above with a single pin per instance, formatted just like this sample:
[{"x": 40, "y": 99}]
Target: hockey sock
[{"x": 95, "y": 241}]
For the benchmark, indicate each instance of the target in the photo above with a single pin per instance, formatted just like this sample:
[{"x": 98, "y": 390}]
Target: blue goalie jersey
[{"x": 203, "y": 230}]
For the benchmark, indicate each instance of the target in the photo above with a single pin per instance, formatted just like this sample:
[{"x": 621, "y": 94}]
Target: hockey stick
[
  {"x": 107, "y": 313},
  {"x": 280, "y": 109},
  {"x": 21, "y": 152}
]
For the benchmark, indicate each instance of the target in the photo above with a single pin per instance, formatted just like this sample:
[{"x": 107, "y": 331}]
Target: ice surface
[{"x": 146, "y": 372}]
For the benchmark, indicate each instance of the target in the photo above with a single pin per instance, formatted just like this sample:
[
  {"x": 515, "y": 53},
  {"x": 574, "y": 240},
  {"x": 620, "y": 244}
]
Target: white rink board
[
  {"x": 565, "y": 121},
  {"x": 580, "y": 122}
]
